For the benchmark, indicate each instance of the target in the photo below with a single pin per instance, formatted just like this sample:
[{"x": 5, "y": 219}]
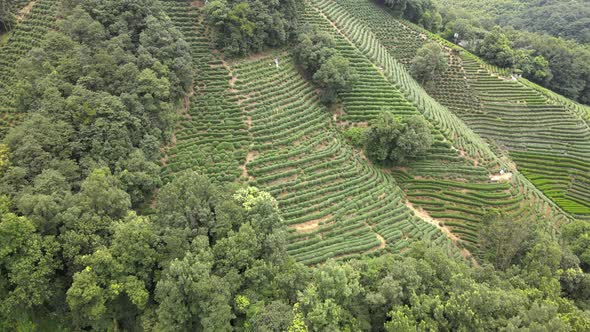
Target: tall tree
[{"x": 429, "y": 62}]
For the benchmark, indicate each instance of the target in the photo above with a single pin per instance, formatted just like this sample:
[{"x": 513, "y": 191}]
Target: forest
[
  {"x": 513, "y": 34},
  {"x": 101, "y": 229}
]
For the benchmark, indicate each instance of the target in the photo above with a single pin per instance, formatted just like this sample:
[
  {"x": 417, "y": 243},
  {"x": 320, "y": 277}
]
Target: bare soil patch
[
  {"x": 25, "y": 11},
  {"x": 506, "y": 177},
  {"x": 198, "y": 4},
  {"x": 310, "y": 226},
  {"x": 454, "y": 239},
  {"x": 249, "y": 157}
]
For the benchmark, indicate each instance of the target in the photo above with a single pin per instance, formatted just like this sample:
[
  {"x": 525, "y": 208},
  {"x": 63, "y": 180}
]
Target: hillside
[
  {"x": 175, "y": 165},
  {"x": 518, "y": 119}
]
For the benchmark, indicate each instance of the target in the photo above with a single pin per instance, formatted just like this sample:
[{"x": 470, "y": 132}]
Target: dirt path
[
  {"x": 454, "y": 239},
  {"x": 334, "y": 25},
  {"x": 25, "y": 11},
  {"x": 310, "y": 226},
  {"x": 464, "y": 154},
  {"x": 249, "y": 157},
  {"x": 382, "y": 242}
]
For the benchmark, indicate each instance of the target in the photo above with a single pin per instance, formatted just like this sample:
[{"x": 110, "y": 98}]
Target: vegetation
[
  {"x": 423, "y": 12},
  {"x": 429, "y": 62},
  {"x": 317, "y": 54},
  {"x": 150, "y": 183},
  {"x": 491, "y": 106},
  {"x": 243, "y": 27},
  {"x": 552, "y": 61},
  {"x": 391, "y": 140},
  {"x": 571, "y": 17}
]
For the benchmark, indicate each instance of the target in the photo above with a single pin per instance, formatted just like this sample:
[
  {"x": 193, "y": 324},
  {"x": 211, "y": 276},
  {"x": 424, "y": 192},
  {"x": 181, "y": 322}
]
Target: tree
[
  {"x": 7, "y": 18},
  {"x": 275, "y": 316},
  {"x": 334, "y": 76},
  {"x": 576, "y": 234},
  {"x": 503, "y": 240},
  {"x": 139, "y": 177},
  {"x": 313, "y": 49},
  {"x": 191, "y": 297},
  {"x": 115, "y": 283},
  {"x": 496, "y": 49},
  {"x": 28, "y": 265},
  {"x": 414, "y": 140},
  {"x": 429, "y": 62},
  {"x": 535, "y": 68},
  {"x": 390, "y": 140},
  {"x": 241, "y": 27},
  {"x": 87, "y": 222}
]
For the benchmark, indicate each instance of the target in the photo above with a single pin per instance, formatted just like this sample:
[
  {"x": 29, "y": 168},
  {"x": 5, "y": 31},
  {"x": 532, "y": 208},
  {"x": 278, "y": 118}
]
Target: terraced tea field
[
  {"x": 334, "y": 201},
  {"x": 265, "y": 126},
  {"x": 453, "y": 189},
  {"x": 250, "y": 121},
  {"x": 544, "y": 134},
  {"x": 212, "y": 136},
  {"x": 34, "y": 22}
]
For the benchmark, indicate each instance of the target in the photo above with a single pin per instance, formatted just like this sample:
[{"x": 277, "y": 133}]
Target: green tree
[
  {"x": 429, "y": 62},
  {"x": 495, "y": 48},
  {"x": 390, "y": 140},
  {"x": 241, "y": 27},
  {"x": 7, "y": 18},
  {"x": 28, "y": 267},
  {"x": 91, "y": 214},
  {"x": 502, "y": 240},
  {"x": 535, "y": 68},
  {"x": 313, "y": 49},
  {"x": 576, "y": 234},
  {"x": 139, "y": 177},
  {"x": 114, "y": 286},
  {"x": 191, "y": 297},
  {"x": 275, "y": 316},
  {"x": 334, "y": 76}
]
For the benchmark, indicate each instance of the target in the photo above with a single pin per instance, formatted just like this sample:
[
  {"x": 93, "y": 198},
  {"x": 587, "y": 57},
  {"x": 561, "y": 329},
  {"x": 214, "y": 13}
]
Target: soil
[
  {"x": 25, "y": 11},
  {"x": 506, "y": 177},
  {"x": 310, "y": 226},
  {"x": 454, "y": 239},
  {"x": 249, "y": 157}
]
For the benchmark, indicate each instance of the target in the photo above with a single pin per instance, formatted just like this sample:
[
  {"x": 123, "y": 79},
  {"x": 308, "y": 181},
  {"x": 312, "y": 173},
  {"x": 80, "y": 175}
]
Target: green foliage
[
  {"x": 355, "y": 135},
  {"x": 317, "y": 54},
  {"x": 334, "y": 76},
  {"x": 496, "y": 49},
  {"x": 424, "y": 12},
  {"x": 243, "y": 27},
  {"x": 28, "y": 263},
  {"x": 504, "y": 241},
  {"x": 313, "y": 49},
  {"x": 390, "y": 140},
  {"x": 529, "y": 15},
  {"x": 7, "y": 15},
  {"x": 429, "y": 62},
  {"x": 577, "y": 236},
  {"x": 100, "y": 93}
]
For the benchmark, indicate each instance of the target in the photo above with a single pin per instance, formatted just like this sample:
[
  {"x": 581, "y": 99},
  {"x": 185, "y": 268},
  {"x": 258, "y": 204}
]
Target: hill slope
[
  {"x": 537, "y": 131},
  {"x": 336, "y": 203}
]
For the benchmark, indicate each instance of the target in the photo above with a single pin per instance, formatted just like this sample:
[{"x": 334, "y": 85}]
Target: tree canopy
[
  {"x": 243, "y": 27},
  {"x": 389, "y": 140},
  {"x": 429, "y": 62},
  {"x": 316, "y": 53}
]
